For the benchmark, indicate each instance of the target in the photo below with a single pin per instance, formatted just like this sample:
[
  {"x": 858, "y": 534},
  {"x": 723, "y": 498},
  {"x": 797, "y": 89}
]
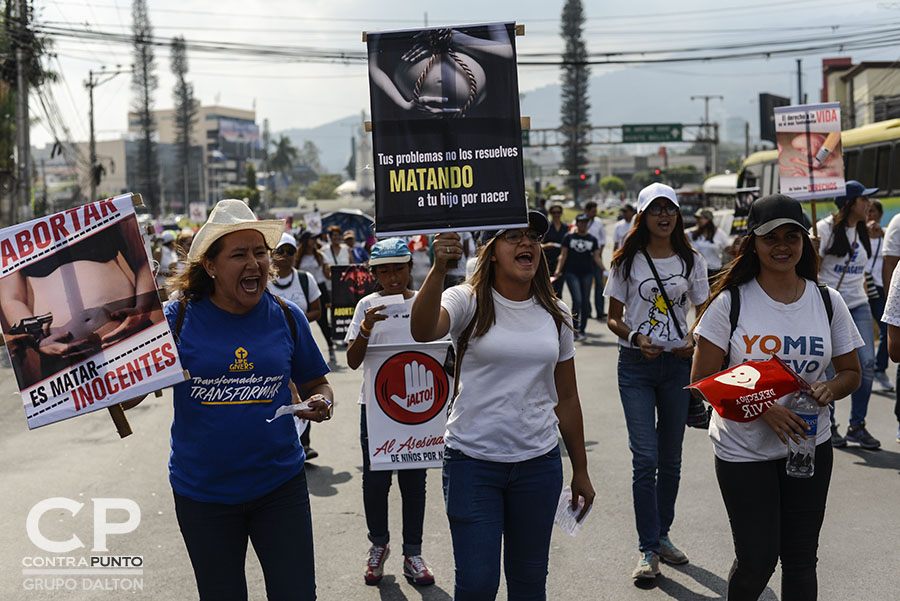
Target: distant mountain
[{"x": 634, "y": 95}]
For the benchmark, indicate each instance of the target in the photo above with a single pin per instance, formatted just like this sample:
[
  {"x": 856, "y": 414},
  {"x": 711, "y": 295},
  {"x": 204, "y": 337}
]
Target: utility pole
[
  {"x": 706, "y": 98},
  {"x": 23, "y": 140},
  {"x": 746, "y": 139},
  {"x": 799, "y": 82},
  {"x": 90, "y": 84}
]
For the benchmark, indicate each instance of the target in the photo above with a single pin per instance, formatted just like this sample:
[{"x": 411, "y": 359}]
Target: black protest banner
[
  {"x": 446, "y": 130},
  {"x": 349, "y": 283}
]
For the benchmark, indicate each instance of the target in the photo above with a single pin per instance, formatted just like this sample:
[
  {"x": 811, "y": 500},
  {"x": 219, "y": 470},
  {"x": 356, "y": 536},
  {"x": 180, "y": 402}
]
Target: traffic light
[
  {"x": 583, "y": 176},
  {"x": 656, "y": 172}
]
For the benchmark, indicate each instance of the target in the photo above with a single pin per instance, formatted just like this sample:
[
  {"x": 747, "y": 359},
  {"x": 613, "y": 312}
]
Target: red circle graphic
[{"x": 411, "y": 387}]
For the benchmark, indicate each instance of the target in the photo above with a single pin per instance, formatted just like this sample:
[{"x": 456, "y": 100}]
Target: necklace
[
  {"x": 284, "y": 286},
  {"x": 798, "y": 291}
]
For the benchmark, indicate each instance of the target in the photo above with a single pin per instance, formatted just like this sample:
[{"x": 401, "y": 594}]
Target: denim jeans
[
  {"x": 599, "y": 304},
  {"x": 490, "y": 503},
  {"x": 877, "y": 306},
  {"x": 278, "y": 524},
  {"x": 377, "y": 485},
  {"x": 859, "y": 400},
  {"x": 774, "y": 516},
  {"x": 656, "y": 406},
  {"x": 580, "y": 288}
]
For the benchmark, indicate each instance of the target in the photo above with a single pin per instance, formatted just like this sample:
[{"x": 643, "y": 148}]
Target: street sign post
[{"x": 651, "y": 132}]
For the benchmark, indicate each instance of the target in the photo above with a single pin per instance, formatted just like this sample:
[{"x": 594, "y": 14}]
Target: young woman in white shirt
[
  {"x": 391, "y": 262},
  {"x": 502, "y": 468},
  {"x": 309, "y": 259},
  {"x": 845, "y": 249},
  {"x": 782, "y": 312},
  {"x": 655, "y": 361},
  {"x": 709, "y": 241}
]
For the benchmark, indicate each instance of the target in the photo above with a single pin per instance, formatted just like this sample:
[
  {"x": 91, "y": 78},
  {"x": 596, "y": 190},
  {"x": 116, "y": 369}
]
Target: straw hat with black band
[{"x": 229, "y": 216}]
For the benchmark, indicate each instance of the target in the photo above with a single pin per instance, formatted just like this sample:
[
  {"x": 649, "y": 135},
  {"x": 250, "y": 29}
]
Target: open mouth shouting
[
  {"x": 525, "y": 258},
  {"x": 250, "y": 285}
]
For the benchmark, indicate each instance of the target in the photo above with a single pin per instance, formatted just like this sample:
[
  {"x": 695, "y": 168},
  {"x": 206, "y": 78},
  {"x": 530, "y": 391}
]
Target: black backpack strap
[
  {"x": 826, "y": 298},
  {"x": 733, "y": 314},
  {"x": 179, "y": 319},
  {"x": 288, "y": 316},
  {"x": 304, "y": 283}
]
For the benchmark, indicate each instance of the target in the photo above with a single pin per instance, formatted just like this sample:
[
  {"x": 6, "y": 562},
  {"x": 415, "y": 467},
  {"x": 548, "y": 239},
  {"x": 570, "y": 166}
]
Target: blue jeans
[
  {"x": 656, "y": 407},
  {"x": 490, "y": 503},
  {"x": 859, "y": 400},
  {"x": 599, "y": 304},
  {"x": 376, "y": 486},
  {"x": 278, "y": 524},
  {"x": 580, "y": 288},
  {"x": 877, "y": 306}
]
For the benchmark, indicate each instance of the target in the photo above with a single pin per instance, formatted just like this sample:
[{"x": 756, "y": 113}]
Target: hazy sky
[{"x": 293, "y": 94}]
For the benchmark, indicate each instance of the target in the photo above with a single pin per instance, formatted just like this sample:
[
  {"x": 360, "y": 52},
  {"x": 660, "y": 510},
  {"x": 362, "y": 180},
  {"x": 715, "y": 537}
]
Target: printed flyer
[{"x": 810, "y": 160}]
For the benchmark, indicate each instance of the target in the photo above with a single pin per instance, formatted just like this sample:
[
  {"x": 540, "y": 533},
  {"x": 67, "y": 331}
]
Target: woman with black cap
[
  {"x": 842, "y": 237},
  {"x": 655, "y": 278},
  {"x": 502, "y": 466},
  {"x": 781, "y": 311}
]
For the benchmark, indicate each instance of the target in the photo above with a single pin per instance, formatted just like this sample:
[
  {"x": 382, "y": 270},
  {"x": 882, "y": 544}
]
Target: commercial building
[{"x": 868, "y": 91}]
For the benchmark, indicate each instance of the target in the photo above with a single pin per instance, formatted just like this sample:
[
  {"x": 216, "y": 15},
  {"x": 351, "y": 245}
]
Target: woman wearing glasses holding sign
[
  {"x": 655, "y": 277},
  {"x": 502, "y": 466}
]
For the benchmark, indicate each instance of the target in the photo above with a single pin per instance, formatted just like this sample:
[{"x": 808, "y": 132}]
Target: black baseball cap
[
  {"x": 536, "y": 221},
  {"x": 772, "y": 211}
]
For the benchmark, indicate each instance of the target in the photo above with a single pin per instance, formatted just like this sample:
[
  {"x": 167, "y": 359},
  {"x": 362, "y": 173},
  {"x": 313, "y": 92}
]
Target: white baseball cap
[{"x": 654, "y": 191}]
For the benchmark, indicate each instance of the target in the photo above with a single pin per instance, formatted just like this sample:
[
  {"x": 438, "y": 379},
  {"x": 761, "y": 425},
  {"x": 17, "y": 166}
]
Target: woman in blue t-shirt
[
  {"x": 579, "y": 254},
  {"x": 235, "y": 476}
]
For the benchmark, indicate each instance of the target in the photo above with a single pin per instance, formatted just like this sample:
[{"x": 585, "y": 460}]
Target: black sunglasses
[{"x": 287, "y": 249}]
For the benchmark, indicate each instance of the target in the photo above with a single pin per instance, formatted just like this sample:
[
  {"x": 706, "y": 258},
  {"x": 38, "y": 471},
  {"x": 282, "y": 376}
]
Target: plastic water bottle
[{"x": 801, "y": 456}]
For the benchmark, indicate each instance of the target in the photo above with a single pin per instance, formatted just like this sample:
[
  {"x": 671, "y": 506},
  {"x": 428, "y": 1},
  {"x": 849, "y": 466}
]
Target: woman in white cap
[
  {"x": 770, "y": 291},
  {"x": 391, "y": 262},
  {"x": 842, "y": 239},
  {"x": 655, "y": 277},
  {"x": 515, "y": 364},
  {"x": 236, "y": 477},
  {"x": 300, "y": 288}
]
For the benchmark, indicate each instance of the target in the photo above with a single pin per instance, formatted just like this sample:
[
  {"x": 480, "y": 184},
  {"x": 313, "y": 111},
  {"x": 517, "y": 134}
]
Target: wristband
[
  {"x": 631, "y": 336},
  {"x": 363, "y": 327},
  {"x": 363, "y": 334}
]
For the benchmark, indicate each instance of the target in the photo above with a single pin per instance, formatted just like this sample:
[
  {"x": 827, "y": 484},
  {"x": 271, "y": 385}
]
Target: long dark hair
[
  {"x": 745, "y": 267},
  {"x": 638, "y": 238},
  {"x": 840, "y": 245},
  {"x": 708, "y": 230},
  {"x": 482, "y": 282}
]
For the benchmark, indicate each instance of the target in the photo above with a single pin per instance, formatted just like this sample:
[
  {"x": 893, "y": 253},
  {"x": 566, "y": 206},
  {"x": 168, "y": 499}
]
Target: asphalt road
[{"x": 83, "y": 460}]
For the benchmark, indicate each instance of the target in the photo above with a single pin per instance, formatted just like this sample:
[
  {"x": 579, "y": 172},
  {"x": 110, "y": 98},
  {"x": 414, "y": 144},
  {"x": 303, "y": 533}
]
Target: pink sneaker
[
  {"x": 416, "y": 570},
  {"x": 378, "y": 554}
]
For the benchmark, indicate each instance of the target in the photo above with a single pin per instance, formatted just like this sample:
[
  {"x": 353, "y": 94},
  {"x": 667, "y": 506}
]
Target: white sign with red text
[
  {"x": 810, "y": 157},
  {"x": 80, "y": 313},
  {"x": 407, "y": 412}
]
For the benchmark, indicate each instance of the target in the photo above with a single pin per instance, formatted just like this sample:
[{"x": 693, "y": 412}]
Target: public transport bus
[
  {"x": 719, "y": 190},
  {"x": 871, "y": 156}
]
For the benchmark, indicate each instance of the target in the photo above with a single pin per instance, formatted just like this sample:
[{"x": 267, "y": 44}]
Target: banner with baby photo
[
  {"x": 446, "y": 130},
  {"x": 810, "y": 157},
  {"x": 81, "y": 317},
  {"x": 406, "y": 390}
]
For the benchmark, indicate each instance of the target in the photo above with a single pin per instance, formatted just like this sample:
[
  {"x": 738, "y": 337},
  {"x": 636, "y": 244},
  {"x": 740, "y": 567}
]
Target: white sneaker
[{"x": 882, "y": 382}]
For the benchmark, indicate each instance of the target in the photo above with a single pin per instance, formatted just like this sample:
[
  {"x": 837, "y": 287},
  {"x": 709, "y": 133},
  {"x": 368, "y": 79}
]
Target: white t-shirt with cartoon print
[
  {"x": 831, "y": 271},
  {"x": 645, "y": 309},
  {"x": 797, "y": 332}
]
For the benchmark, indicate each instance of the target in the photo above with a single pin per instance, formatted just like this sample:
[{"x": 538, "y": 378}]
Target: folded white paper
[
  {"x": 289, "y": 410},
  {"x": 566, "y": 518}
]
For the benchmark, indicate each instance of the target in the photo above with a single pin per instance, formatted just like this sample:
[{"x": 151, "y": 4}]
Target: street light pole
[
  {"x": 706, "y": 98},
  {"x": 90, "y": 84}
]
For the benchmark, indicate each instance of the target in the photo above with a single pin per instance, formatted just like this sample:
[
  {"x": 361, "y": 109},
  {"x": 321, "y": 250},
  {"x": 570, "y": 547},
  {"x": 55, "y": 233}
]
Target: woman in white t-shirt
[
  {"x": 655, "y": 361},
  {"x": 391, "y": 262},
  {"x": 709, "y": 241},
  {"x": 310, "y": 260},
  {"x": 845, "y": 249},
  {"x": 502, "y": 467},
  {"x": 782, "y": 312}
]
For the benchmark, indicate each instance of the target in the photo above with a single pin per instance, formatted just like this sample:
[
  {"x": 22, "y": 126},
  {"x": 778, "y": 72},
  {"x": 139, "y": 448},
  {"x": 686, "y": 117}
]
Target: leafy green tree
[
  {"x": 185, "y": 118},
  {"x": 284, "y": 157},
  {"x": 612, "y": 185},
  {"x": 324, "y": 187},
  {"x": 575, "y": 106},
  {"x": 144, "y": 84}
]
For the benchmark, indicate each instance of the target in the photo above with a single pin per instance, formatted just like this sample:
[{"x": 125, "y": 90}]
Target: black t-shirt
[
  {"x": 581, "y": 253},
  {"x": 557, "y": 236}
]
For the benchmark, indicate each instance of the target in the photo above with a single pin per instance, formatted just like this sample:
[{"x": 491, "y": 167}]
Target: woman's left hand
[
  {"x": 821, "y": 393},
  {"x": 581, "y": 487},
  {"x": 320, "y": 409},
  {"x": 685, "y": 352},
  {"x": 133, "y": 319}
]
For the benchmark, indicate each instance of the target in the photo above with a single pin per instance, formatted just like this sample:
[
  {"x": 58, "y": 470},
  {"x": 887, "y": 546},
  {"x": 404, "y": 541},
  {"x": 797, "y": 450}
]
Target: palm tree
[{"x": 282, "y": 160}]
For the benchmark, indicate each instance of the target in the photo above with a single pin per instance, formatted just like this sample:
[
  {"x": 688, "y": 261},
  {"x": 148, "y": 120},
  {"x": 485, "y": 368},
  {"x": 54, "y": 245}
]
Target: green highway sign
[
  {"x": 652, "y": 132},
  {"x": 526, "y": 138}
]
